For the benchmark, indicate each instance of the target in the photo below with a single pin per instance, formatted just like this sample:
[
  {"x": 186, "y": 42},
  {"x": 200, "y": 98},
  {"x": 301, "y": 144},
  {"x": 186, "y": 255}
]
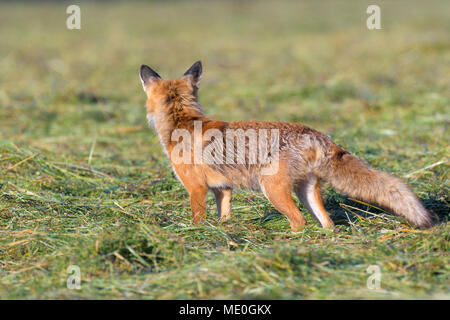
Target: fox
[{"x": 303, "y": 158}]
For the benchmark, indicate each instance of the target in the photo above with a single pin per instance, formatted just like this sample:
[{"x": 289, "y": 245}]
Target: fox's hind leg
[
  {"x": 279, "y": 194},
  {"x": 223, "y": 201},
  {"x": 196, "y": 188},
  {"x": 308, "y": 192}
]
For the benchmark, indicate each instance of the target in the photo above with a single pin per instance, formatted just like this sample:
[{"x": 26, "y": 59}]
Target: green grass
[{"x": 84, "y": 182}]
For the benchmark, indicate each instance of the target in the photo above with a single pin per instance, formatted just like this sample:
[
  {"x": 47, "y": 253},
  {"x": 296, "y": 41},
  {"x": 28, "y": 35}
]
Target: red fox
[{"x": 299, "y": 158}]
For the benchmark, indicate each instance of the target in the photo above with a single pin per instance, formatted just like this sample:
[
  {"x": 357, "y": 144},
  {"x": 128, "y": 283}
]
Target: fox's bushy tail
[{"x": 353, "y": 177}]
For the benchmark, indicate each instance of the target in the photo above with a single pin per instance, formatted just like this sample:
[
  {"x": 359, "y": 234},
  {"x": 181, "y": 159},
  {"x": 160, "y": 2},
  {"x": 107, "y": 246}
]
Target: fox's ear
[
  {"x": 194, "y": 74},
  {"x": 148, "y": 75}
]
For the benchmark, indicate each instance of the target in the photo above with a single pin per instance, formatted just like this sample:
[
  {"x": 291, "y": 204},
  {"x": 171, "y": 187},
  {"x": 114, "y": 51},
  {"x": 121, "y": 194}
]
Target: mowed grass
[{"x": 84, "y": 182}]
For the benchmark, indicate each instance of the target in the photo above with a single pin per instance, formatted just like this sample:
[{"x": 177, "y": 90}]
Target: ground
[{"x": 84, "y": 181}]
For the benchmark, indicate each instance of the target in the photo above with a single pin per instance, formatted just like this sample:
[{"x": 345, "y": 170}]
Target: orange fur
[{"x": 305, "y": 157}]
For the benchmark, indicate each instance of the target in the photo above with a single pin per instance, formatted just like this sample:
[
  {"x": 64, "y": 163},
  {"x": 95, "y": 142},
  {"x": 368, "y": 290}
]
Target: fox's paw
[{"x": 224, "y": 218}]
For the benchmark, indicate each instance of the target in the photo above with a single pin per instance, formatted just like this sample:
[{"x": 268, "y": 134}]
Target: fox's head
[{"x": 166, "y": 97}]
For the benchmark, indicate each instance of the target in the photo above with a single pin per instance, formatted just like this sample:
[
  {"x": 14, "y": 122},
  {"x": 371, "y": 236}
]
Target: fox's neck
[{"x": 179, "y": 117}]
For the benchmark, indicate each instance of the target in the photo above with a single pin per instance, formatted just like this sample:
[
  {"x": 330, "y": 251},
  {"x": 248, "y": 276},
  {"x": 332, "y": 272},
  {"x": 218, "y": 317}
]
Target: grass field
[{"x": 84, "y": 182}]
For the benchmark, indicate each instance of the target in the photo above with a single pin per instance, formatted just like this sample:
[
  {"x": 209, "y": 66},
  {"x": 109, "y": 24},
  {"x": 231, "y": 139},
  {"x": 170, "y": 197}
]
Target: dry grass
[{"x": 84, "y": 182}]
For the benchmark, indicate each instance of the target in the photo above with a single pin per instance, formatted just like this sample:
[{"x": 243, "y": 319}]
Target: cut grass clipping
[{"x": 85, "y": 183}]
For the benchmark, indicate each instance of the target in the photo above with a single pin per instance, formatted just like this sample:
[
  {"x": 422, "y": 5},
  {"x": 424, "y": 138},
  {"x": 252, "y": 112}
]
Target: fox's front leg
[
  {"x": 196, "y": 188},
  {"x": 197, "y": 195},
  {"x": 223, "y": 201}
]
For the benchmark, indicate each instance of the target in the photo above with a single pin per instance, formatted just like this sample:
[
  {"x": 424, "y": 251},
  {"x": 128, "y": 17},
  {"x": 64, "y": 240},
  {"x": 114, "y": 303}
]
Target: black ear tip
[
  {"x": 198, "y": 65},
  {"x": 144, "y": 67},
  {"x": 147, "y": 72},
  {"x": 195, "y": 69}
]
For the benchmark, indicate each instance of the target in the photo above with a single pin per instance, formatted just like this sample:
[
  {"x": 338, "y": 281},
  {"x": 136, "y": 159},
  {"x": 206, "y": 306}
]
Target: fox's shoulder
[{"x": 285, "y": 128}]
